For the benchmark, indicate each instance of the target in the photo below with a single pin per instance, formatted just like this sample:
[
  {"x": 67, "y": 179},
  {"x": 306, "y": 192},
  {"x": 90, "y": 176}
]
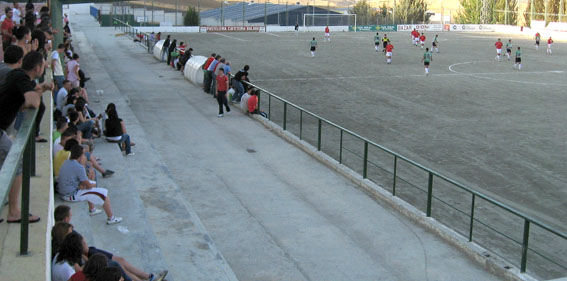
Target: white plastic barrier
[
  {"x": 193, "y": 71},
  {"x": 158, "y": 48}
]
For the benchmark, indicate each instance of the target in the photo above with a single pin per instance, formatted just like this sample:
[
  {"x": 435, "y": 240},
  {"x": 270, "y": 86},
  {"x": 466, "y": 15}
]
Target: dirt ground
[{"x": 480, "y": 122}]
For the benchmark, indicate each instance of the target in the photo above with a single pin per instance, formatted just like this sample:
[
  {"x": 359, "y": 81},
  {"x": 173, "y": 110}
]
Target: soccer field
[{"x": 496, "y": 129}]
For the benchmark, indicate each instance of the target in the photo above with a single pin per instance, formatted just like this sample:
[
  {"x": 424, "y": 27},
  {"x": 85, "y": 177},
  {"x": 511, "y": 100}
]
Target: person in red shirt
[
  {"x": 422, "y": 40},
  {"x": 389, "y": 49},
  {"x": 549, "y": 42},
  {"x": 253, "y": 104},
  {"x": 7, "y": 27},
  {"x": 498, "y": 45},
  {"x": 181, "y": 48},
  {"x": 414, "y": 37},
  {"x": 220, "y": 94},
  {"x": 327, "y": 34},
  {"x": 207, "y": 75}
]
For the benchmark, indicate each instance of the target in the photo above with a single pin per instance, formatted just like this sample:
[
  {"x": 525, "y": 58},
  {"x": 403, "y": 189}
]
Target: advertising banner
[
  {"x": 420, "y": 27},
  {"x": 372, "y": 28},
  {"x": 472, "y": 27},
  {"x": 255, "y": 28}
]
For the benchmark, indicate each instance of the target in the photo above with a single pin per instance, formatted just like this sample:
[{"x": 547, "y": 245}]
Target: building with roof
[{"x": 275, "y": 14}]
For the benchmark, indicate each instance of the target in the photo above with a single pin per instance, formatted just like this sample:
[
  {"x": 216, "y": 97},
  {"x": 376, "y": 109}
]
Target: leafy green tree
[
  {"x": 539, "y": 7},
  {"x": 384, "y": 15},
  {"x": 412, "y": 11},
  {"x": 365, "y": 14},
  {"x": 191, "y": 17},
  {"x": 499, "y": 16},
  {"x": 470, "y": 12}
]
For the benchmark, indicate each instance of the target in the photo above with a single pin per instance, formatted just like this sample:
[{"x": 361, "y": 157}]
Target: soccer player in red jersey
[
  {"x": 422, "y": 40},
  {"x": 327, "y": 34},
  {"x": 498, "y": 45},
  {"x": 549, "y": 42},
  {"x": 414, "y": 37},
  {"x": 389, "y": 49}
]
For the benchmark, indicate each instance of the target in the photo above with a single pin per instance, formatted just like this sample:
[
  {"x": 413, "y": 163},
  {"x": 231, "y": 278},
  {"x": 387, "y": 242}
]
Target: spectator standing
[
  {"x": 16, "y": 14},
  {"x": 219, "y": 66},
  {"x": 207, "y": 74},
  {"x": 170, "y": 50},
  {"x": 165, "y": 47},
  {"x": 23, "y": 39},
  {"x": 12, "y": 60},
  {"x": 227, "y": 69},
  {"x": 212, "y": 68},
  {"x": 74, "y": 186},
  {"x": 220, "y": 94},
  {"x": 7, "y": 28},
  {"x": 19, "y": 91},
  {"x": 58, "y": 74},
  {"x": 240, "y": 76},
  {"x": 73, "y": 67}
]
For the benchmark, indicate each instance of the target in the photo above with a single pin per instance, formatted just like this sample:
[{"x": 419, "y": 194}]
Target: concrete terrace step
[{"x": 160, "y": 229}]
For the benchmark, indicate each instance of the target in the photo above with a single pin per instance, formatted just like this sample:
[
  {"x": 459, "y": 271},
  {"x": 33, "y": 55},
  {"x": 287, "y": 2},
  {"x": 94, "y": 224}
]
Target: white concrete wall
[{"x": 169, "y": 29}]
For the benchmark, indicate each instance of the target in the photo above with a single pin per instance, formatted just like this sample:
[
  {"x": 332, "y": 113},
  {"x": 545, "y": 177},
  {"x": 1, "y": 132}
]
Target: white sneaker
[
  {"x": 114, "y": 220},
  {"x": 94, "y": 212},
  {"x": 130, "y": 154},
  {"x": 220, "y": 115}
]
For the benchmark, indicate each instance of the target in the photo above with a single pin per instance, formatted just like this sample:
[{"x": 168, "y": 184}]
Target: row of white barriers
[{"x": 192, "y": 72}]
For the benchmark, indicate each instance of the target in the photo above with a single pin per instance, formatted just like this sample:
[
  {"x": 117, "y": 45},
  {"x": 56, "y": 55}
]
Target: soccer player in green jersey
[
  {"x": 313, "y": 45},
  {"x": 537, "y": 39},
  {"x": 434, "y": 45},
  {"x": 377, "y": 41},
  {"x": 509, "y": 49},
  {"x": 518, "y": 59},
  {"x": 427, "y": 58}
]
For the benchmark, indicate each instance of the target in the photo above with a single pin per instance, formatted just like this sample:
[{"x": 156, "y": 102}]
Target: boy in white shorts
[
  {"x": 549, "y": 43},
  {"x": 327, "y": 34},
  {"x": 75, "y": 186}
]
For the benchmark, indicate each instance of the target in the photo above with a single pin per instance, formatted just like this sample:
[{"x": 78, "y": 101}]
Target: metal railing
[
  {"x": 432, "y": 176},
  {"x": 396, "y": 178},
  {"x": 134, "y": 33},
  {"x": 23, "y": 146}
]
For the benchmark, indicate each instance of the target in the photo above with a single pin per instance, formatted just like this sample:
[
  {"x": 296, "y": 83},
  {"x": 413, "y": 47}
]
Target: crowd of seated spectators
[
  {"x": 27, "y": 55},
  {"x": 73, "y": 259}
]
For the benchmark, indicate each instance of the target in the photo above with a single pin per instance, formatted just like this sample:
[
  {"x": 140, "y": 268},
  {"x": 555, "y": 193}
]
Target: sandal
[{"x": 20, "y": 220}]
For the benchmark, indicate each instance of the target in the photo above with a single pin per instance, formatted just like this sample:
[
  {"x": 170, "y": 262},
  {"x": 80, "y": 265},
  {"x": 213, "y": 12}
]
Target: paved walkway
[{"x": 274, "y": 212}]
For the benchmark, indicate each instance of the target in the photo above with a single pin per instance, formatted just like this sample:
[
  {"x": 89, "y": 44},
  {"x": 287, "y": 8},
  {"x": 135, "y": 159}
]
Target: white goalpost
[{"x": 310, "y": 21}]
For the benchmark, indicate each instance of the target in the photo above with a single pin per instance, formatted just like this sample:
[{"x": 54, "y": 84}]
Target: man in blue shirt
[{"x": 211, "y": 68}]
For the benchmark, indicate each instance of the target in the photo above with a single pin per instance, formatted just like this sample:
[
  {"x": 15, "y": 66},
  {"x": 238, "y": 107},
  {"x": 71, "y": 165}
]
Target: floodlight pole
[
  {"x": 265, "y": 14},
  {"x": 506, "y": 14},
  {"x": 328, "y": 6},
  {"x": 394, "y": 13},
  {"x": 243, "y": 13},
  {"x": 222, "y": 13}
]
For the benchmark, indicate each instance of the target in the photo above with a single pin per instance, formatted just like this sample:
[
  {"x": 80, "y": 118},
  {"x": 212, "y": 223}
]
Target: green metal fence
[
  {"x": 134, "y": 33},
  {"x": 278, "y": 110},
  {"x": 23, "y": 146}
]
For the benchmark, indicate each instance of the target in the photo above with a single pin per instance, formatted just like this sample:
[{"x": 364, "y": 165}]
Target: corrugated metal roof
[{"x": 253, "y": 11}]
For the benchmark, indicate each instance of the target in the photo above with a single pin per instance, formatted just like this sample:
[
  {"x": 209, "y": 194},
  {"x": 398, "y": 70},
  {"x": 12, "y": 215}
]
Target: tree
[
  {"x": 365, "y": 14},
  {"x": 470, "y": 12},
  {"x": 412, "y": 11},
  {"x": 191, "y": 17},
  {"x": 499, "y": 14},
  {"x": 384, "y": 15}
]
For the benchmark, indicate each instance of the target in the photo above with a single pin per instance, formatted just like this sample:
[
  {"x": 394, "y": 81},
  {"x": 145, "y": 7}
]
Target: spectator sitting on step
[
  {"x": 94, "y": 265},
  {"x": 58, "y": 233},
  {"x": 69, "y": 258},
  {"x": 109, "y": 274},
  {"x": 63, "y": 214},
  {"x": 85, "y": 115},
  {"x": 74, "y": 186},
  {"x": 245, "y": 97},
  {"x": 116, "y": 132},
  {"x": 61, "y": 96},
  {"x": 253, "y": 104},
  {"x": 63, "y": 155},
  {"x": 60, "y": 127}
]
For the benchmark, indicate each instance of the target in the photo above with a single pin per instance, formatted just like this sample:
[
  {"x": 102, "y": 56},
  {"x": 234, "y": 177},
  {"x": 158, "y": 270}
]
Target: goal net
[{"x": 312, "y": 20}]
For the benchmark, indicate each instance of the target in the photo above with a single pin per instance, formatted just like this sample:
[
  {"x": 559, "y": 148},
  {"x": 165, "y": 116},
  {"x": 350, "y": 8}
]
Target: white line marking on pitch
[
  {"x": 229, "y": 36},
  {"x": 506, "y": 80},
  {"x": 272, "y": 34}
]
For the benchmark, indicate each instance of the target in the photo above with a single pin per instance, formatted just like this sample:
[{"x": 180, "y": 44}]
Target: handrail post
[
  {"x": 429, "y": 194},
  {"x": 270, "y": 107},
  {"x": 32, "y": 152},
  {"x": 259, "y": 94},
  {"x": 395, "y": 175},
  {"x": 341, "y": 149},
  {"x": 365, "y": 169},
  {"x": 25, "y": 206},
  {"x": 319, "y": 136},
  {"x": 300, "y": 124},
  {"x": 472, "y": 217},
  {"x": 525, "y": 246},
  {"x": 284, "y": 116}
]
